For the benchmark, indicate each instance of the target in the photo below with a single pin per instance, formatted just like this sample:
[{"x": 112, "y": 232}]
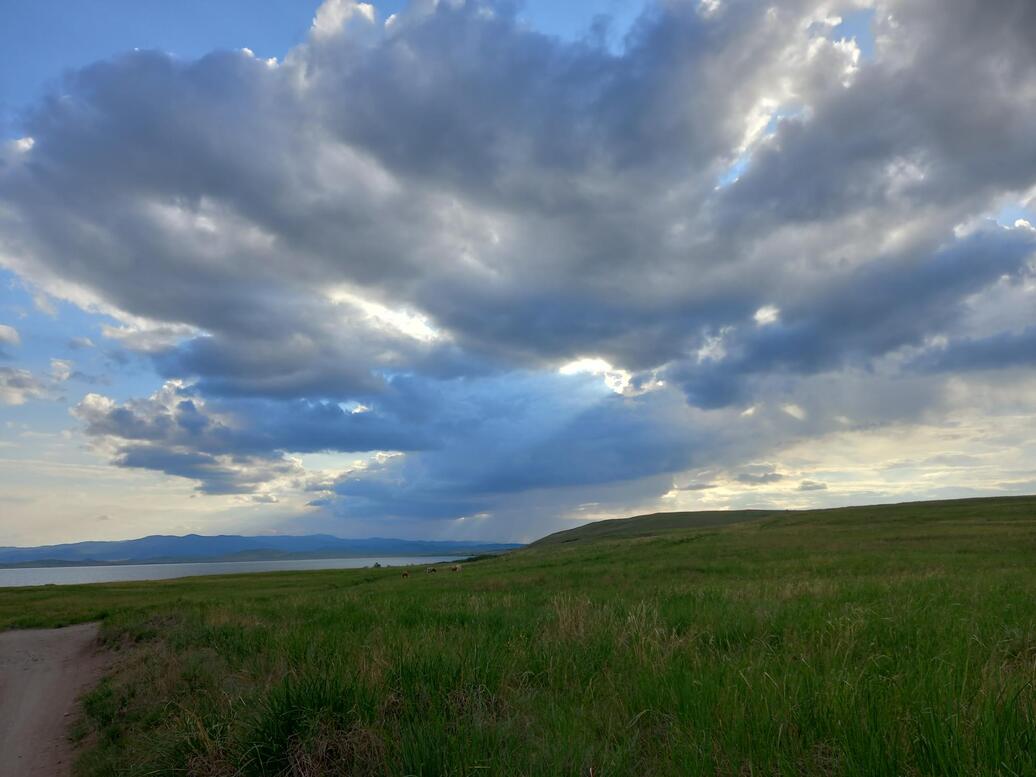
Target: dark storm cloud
[
  {"x": 175, "y": 417},
  {"x": 907, "y": 130},
  {"x": 502, "y": 435},
  {"x": 428, "y": 217},
  {"x": 871, "y": 311},
  {"x": 213, "y": 475},
  {"x": 1005, "y": 349}
]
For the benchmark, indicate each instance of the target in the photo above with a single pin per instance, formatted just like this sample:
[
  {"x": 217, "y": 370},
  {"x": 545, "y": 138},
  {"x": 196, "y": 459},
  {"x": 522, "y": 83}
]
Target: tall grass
[{"x": 842, "y": 644}]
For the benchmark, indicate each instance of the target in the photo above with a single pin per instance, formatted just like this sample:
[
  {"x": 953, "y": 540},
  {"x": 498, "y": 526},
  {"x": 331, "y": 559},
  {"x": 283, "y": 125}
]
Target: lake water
[{"x": 112, "y": 574}]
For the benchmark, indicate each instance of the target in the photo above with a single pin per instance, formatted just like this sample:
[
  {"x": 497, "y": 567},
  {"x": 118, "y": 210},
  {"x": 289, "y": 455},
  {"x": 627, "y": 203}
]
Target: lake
[{"x": 120, "y": 572}]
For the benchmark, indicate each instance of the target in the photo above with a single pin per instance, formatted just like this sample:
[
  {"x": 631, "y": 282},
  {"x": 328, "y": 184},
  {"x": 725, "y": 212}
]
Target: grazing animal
[
  {"x": 455, "y": 568},
  {"x": 430, "y": 570},
  {"x": 405, "y": 573}
]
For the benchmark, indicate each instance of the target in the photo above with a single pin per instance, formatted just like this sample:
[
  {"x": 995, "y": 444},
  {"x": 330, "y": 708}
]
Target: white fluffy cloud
[
  {"x": 9, "y": 335},
  {"x": 17, "y": 386}
]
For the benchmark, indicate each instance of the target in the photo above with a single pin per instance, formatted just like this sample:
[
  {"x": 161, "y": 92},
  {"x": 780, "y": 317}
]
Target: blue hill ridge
[{"x": 196, "y": 547}]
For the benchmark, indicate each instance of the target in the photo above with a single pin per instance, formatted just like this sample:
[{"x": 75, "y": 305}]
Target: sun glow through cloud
[
  {"x": 616, "y": 380},
  {"x": 404, "y": 322}
]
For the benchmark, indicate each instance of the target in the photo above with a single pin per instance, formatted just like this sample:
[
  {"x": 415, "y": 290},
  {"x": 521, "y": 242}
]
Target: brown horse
[
  {"x": 455, "y": 568},
  {"x": 406, "y": 574}
]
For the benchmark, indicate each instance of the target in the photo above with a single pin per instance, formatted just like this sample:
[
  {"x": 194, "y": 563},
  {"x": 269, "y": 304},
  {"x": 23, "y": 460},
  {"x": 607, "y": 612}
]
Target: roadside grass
[{"x": 875, "y": 641}]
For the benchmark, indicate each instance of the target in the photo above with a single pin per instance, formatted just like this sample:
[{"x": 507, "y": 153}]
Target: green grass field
[{"x": 895, "y": 640}]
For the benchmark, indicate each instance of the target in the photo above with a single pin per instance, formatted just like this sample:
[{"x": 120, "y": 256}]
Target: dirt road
[{"x": 42, "y": 673}]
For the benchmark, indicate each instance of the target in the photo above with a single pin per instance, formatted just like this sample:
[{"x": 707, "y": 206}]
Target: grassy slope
[
  {"x": 873, "y": 641},
  {"x": 652, "y": 525}
]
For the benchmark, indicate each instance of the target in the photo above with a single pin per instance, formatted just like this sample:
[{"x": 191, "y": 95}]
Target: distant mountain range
[{"x": 160, "y": 548}]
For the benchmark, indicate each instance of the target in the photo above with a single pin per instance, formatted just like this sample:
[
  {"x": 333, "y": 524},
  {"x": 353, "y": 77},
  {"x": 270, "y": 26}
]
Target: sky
[{"x": 485, "y": 270}]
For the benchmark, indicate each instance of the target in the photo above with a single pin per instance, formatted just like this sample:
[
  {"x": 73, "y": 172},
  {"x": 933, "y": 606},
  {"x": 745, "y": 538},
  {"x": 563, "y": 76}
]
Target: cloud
[
  {"x": 431, "y": 218},
  {"x": 9, "y": 335},
  {"x": 216, "y": 474},
  {"x": 8, "y": 338},
  {"x": 999, "y": 351},
  {"x": 811, "y": 485},
  {"x": 697, "y": 487},
  {"x": 759, "y": 479},
  {"x": 467, "y": 444},
  {"x": 19, "y": 386},
  {"x": 333, "y": 15},
  {"x": 80, "y": 343},
  {"x": 871, "y": 312},
  {"x": 61, "y": 370}
]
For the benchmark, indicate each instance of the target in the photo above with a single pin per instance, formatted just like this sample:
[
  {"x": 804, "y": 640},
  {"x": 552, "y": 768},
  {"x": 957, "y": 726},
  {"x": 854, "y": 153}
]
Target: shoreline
[{"x": 33, "y": 577}]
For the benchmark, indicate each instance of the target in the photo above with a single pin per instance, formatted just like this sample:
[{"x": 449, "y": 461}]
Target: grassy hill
[
  {"x": 891, "y": 640},
  {"x": 651, "y": 525},
  {"x": 944, "y": 511}
]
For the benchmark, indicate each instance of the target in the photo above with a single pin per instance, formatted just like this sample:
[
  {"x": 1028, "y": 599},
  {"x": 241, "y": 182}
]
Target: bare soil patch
[{"x": 42, "y": 674}]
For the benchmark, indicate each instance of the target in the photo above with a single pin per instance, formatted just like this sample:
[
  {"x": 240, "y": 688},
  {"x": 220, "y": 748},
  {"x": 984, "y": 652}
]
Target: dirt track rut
[{"x": 42, "y": 674}]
